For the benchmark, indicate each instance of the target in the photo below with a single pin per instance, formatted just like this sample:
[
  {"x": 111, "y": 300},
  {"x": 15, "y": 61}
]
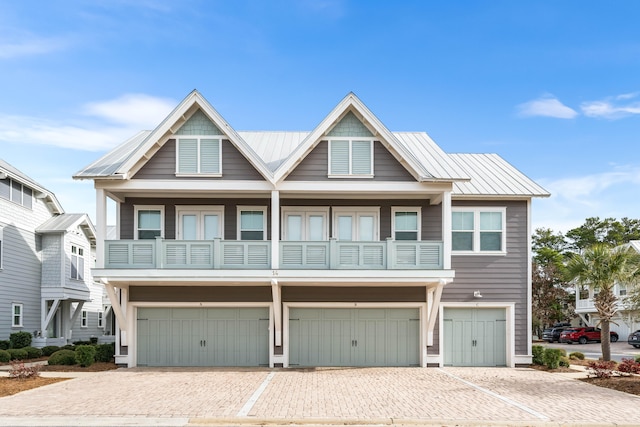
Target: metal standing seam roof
[
  {"x": 491, "y": 175},
  {"x": 64, "y": 222},
  {"x": 110, "y": 164},
  {"x": 273, "y": 147}
]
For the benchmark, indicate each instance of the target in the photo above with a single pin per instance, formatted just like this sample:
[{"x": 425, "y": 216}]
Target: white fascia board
[
  {"x": 363, "y": 186},
  {"x": 168, "y": 277},
  {"x": 184, "y": 185}
]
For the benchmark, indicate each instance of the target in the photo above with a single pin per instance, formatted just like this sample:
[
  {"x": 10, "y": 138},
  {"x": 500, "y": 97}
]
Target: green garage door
[
  {"x": 475, "y": 337},
  {"x": 354, "y": 337},
  {"x": 203, "y": 336}
]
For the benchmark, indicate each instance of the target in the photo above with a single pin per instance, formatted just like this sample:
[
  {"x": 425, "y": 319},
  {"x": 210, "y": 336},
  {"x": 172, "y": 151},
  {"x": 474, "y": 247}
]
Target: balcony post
[
  {"x": 333, "y": 253},
  {"x": 217, "y": 252},
  {"x": 446, "y": 230},
  {"x": 159, "y": 254},
  {"x": 101, "y": 226},
  {"x": 275, "y": 229},
  {"x": 391, "y": 254}
]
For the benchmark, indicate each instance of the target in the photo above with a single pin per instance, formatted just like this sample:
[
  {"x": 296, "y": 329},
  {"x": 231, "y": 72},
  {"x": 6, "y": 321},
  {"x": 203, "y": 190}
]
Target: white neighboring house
[
  {"x": 624, "y": 322},
  {"x": 46, "y": 256}
]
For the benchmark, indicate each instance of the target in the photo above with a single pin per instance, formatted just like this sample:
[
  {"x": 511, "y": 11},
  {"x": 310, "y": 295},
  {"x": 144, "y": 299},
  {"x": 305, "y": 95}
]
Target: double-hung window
[
  {"x": 199, "y": 155},
  {"x": 200, "y": 222},
  {"x": 252, "y": 223},
  {"x": 358, "y": 224},
  {"x": 100, "y": 319},
  {"x": 406, "y": 223},
  {"x": 148, "y": 222},
  {"x": 84, "y": 319},
  {"x": 16, "y": 315},
  {"x": 77, "y": 262},
  {"x": 305, "y": 224},
  {"x": 478, "y": 230},
  {"x": 351, "y": 158}
]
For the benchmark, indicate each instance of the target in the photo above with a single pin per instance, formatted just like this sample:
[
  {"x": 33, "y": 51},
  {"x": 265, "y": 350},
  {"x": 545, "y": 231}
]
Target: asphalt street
[{"x": 593, "y": 350}]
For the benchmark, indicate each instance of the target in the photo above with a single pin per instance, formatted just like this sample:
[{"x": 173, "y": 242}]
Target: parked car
[
  {"x": 634, "y": 339},
  {"x": 553, "y": 334},
  {"x": 583, "y": 335}
]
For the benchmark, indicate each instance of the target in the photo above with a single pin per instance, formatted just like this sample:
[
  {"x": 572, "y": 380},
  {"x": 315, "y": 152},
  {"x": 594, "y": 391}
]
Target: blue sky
[{"x": 553, "y": 87}]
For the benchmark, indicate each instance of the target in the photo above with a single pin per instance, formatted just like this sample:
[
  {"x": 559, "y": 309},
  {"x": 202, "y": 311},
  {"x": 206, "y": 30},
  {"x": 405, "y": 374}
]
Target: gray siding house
[
  {"x": 348, "y": 245},
  {"x": 46, "y": 255}
]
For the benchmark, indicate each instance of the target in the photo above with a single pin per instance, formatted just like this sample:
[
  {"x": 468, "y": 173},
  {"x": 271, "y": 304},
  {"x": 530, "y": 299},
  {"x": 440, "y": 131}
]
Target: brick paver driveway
[{"x": 476, "y": 396}]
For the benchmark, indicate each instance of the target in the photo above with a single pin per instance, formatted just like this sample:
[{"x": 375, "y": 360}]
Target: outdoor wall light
[{"x": 477, "y": 294}]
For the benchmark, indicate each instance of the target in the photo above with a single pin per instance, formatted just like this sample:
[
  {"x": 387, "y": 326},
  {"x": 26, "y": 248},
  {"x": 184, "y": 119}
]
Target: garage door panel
[
  {"x": 353, "y": 337},
  {"x": 203, "y": 336}
]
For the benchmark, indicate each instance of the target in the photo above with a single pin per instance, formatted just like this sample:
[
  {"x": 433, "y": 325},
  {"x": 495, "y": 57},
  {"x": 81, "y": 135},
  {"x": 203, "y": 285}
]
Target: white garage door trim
[
  {"x": 422, "y": 310},
  {"x": 133, "y": 325},
  {"x": 509, "y": 340}
]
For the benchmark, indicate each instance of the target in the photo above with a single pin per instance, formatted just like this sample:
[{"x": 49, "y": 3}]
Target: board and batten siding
[
  {"x": 315, "y": 166},
  {"x": 163, "y": 165},
  {"x": 501, "y": 278},
  {"x": 431, "y": 214},
  {"x": 19, "y": 279}
]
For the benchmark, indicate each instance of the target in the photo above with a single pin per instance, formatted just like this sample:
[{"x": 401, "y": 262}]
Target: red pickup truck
[{"x": 583, "y": 335}]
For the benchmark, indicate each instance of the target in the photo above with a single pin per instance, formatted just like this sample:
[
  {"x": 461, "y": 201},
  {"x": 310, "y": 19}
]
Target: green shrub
[
  {"x": 552, "y": 358},
  {"x": 85, "y": 355},
  {"x": 4, "y": 356},
  {"x": 5, "y": 344},
  {"x": 564, "y": 362},
  {"x": 105, "y": 352},
  {"x": 563, "y": 352},
  {"x": 49, "y": 350},
  {"x": 20, "y": 339},
  {"x": 63, "y": 357},
  {"x": 81, "y": 342},
  {"x": 32, "y": 352},
  {"x": 93, "y": 340},
  {"x": 68, "y": 347},
  {"x": 576, "y": 355},
  {"x": 538, "y": 354},
  {"x": 18, "y": 354}
]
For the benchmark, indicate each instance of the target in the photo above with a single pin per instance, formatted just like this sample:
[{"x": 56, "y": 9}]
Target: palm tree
[{"x": 599, "y": 268}]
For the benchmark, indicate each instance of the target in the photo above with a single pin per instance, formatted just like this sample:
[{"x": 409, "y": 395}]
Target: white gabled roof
[
  {"x": 39, "y": 191},
  {"x": 352, "y": 103},
  {"x": 635, "y": 244},
  {"x": 491, "y": 175},
  {"x": 135, "y": 152},
  {"x": 275, "y": 154},
  {"x": 69, "y": 222}
]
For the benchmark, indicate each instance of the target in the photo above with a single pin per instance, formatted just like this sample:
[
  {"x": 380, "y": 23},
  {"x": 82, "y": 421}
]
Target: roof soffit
[
  {"x": 351, "y": 103},
  {"x": 166, "y": 129}
]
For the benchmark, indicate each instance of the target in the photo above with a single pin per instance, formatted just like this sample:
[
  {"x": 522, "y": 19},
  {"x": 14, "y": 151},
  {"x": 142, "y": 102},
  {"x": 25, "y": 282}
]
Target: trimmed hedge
[
  {"x": 4, "y": 356},
  {"x": 5, "y": 344},
  {"x": 63, "y": 357},
  {"x": 576, "y": 355},
  {"x": 32, "y": 352},
  {"x": 538, "y": 354},
  {"x": 20, "y": 339},
  {"x": 85, "y": 355},
  {"x": 105, "y": 352},
  {"x": 49, "y": 350},
  {"x": 552, "y": 358},
  {"x": 18, "y": 354}
]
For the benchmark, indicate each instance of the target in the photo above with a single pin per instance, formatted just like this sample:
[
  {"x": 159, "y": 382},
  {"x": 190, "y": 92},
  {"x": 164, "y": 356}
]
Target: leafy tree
[
  {"x": 599, "y": 268},
  {"x": 544, "y": 238},
  {"x": 609, "y": 230}
]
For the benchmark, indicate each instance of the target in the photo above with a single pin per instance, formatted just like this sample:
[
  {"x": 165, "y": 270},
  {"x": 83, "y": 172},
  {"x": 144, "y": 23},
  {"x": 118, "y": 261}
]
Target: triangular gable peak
[
  {"x": 194, "y": 115},
  {"x": 352, "y": 118}
]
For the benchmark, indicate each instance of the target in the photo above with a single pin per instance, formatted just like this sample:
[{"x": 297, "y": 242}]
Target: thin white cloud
[
  {"x": 546, "y": 106},
  {"x": 614, "y": 107},
  {"x": 110, "y": 123},
  {"x": 575, "y": 199},
  {"x": 30, "y": 47},
  {"x": 136, "y": 110}
]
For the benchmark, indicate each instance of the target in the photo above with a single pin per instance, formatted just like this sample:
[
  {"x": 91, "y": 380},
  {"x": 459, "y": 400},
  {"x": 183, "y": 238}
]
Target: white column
[
  {"x": 446, "y": 230},
  {"x": 275, "y": 230},
  {"x": 101, "y": 226}
]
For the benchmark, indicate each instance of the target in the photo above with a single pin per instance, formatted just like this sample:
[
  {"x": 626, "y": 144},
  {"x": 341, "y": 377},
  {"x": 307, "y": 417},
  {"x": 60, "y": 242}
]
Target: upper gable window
[
  {"x": 199, "y": 156},
  {"x": 351, "y": 158},
  {"x": 16, "y": 192}
]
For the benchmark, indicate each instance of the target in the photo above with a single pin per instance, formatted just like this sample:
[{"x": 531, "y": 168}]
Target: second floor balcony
[{"x": 293, "y": 255}]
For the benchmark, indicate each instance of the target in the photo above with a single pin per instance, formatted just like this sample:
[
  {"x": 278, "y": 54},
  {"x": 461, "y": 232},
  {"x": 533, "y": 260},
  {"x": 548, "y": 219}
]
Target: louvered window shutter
[
  {"x": 188, "y": 156},
  {"x": 209, "y": 156},
  {"x": 361, "y": 161},
  {"x": 339, "y": 158}
]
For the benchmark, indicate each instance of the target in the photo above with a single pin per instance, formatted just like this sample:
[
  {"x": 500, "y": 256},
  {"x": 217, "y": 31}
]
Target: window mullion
[{"x": 350, "y": 157}]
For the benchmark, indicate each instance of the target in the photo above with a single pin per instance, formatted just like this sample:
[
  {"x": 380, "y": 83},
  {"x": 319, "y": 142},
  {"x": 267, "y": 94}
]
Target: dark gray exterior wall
[
  {"x": 314, "y": 166},
  {"x": 431, "y": 214},
  {"x": 499, "y": 278},
  {"x": 163, "y": 164},
  {"x": 200, "y": 293}
]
